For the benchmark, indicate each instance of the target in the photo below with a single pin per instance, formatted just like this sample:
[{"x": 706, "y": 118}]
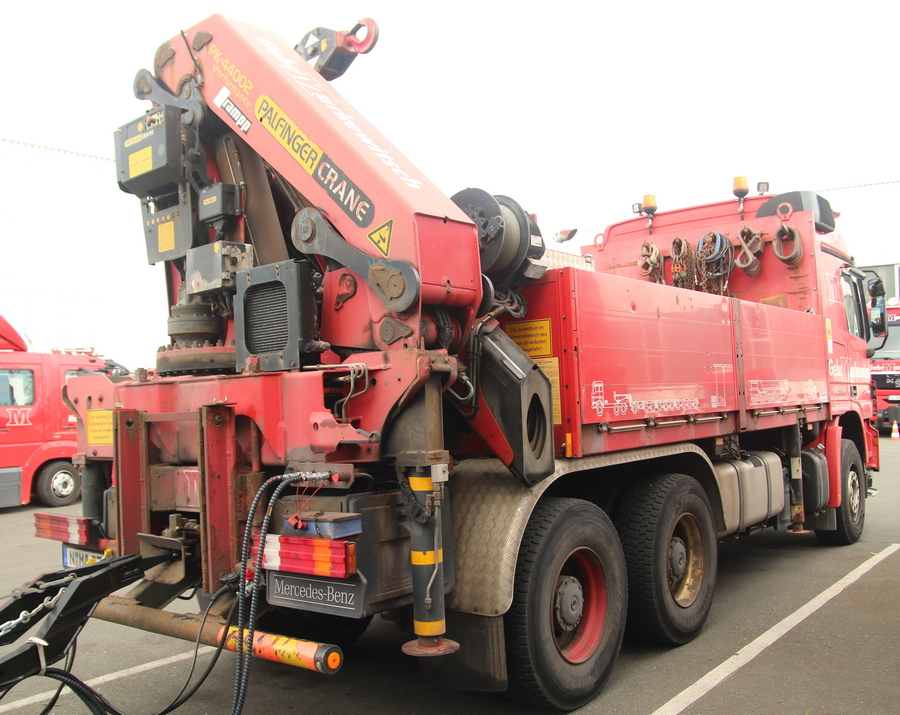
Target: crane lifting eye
[{"x": 334, "y": 51}]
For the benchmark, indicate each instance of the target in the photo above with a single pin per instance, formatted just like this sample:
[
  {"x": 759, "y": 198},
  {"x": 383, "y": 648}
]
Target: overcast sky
[{"x": 575, "y": 111}]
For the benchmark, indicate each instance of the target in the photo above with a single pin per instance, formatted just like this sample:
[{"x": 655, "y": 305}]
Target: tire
[
  {"x": 58, "y": 484},
  {"x": 851, "y": 514},
  {"x": 670, "y": 546},
  {"x": 566, "y": 623}
]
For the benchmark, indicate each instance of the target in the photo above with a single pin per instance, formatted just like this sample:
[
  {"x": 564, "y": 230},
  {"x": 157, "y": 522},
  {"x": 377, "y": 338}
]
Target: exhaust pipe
[{"x": 321, "y": 657}]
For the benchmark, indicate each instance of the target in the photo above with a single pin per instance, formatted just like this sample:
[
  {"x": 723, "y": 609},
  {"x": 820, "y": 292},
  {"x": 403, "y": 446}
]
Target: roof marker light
[
  {"x": 649, "y": 208},
  {"x": 740, "y": 190}
]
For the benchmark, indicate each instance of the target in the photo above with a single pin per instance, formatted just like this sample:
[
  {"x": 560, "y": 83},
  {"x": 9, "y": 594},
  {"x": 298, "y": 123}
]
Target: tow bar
[
  {"x": 310, "y": 655},
  {"x": 68, "y": 597}
]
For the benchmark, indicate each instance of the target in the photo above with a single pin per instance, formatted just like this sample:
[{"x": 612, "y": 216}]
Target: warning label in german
[
  {"x": 99, "y": 427},
  {"x": 550, "y": 367},
  {"x": 533, "y": 336}
]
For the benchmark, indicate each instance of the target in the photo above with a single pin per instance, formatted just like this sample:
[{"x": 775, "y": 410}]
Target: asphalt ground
[{"x": 796, "y": 628}]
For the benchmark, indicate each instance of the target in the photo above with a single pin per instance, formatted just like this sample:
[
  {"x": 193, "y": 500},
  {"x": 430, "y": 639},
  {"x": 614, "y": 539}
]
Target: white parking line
[
  {"x": 44, "y": 697},
  {"x": 709, "y": 681}
]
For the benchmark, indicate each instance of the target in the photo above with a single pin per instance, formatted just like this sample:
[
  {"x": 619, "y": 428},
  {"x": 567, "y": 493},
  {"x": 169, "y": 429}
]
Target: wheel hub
[
  {"x": 677, "y": 559},
  {"x": 569, "y": 603},
  {"x": 854, "y": 496},
  {"x": 62, "y": 484}
]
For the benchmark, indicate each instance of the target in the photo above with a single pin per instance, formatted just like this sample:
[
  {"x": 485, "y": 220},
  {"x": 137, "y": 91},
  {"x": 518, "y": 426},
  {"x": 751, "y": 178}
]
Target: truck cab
[{"x": 38, "y": 433}]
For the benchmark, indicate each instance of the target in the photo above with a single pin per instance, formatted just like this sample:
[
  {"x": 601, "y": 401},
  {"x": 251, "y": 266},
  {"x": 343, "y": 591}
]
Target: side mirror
[
  {"x": 876, "y": 288},
  {"x": 878, "y": 319}
]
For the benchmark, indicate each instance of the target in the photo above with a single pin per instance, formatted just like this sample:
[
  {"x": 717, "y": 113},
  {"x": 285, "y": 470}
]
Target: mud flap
[{"x": 480, "y": 663}]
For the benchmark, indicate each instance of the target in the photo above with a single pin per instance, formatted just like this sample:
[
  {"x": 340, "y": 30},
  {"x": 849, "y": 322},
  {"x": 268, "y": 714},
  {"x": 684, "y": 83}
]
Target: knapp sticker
[{"x": 223, "y": 101}]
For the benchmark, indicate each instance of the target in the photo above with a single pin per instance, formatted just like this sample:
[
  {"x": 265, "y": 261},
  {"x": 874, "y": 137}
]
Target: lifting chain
[
  {"x": 683, "y": 274},
  {"x": 48, "y": 602},
  {"x": 651, "y": 263}
]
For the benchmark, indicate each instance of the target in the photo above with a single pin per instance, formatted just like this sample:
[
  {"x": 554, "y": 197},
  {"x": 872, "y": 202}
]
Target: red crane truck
[
  {"x": 37, "y": 431},
  {"x": 376, "y": 399}
]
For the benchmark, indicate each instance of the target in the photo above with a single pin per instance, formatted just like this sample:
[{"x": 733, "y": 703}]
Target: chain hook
[{"x": 40, "y": 643}]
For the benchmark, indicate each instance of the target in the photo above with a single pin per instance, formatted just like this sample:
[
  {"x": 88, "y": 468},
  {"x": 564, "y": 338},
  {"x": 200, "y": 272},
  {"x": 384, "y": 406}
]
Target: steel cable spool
[
  {"x": 788, "y": 233},
  {"x": 510, "y": 241},
  {"x": 683, "y": 273}
]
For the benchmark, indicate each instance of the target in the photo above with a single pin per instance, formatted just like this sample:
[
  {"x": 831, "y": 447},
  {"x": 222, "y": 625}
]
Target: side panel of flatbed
[{"x": 640, "y": 364}]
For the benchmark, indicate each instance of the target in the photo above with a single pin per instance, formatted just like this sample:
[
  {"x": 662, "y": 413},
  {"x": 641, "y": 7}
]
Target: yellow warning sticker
[
  {"x": 533, "y": 336},
  {"x": 140, "y": 162},
  {"x": 99, "y": 427},
  {"x": 828, "y": 335},
  {"x": 381, "y": 237},
  {"x": 550, "y": 367},
  {"x": 166, "y": 236}
]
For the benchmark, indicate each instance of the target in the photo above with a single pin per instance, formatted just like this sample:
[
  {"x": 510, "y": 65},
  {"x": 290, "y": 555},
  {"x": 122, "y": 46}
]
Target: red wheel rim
[{"x": 582, "y": 573}]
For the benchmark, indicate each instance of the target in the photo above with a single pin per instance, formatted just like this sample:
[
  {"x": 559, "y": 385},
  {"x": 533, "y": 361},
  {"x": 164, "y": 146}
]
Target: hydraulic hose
[{"x": 242, "y": 670}]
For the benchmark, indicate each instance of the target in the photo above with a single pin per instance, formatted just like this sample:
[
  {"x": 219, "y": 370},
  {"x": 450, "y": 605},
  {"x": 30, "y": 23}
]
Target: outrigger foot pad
[{"x": 425, "y": 646}]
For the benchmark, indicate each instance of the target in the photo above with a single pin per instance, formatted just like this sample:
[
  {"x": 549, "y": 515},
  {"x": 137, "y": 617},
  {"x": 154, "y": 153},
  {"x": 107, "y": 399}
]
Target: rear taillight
[
  {"x": 314, "y": 557},
  {"x": 59, "y": 527}
]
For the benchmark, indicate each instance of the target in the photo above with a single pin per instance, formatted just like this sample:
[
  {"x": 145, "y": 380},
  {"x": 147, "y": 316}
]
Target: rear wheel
[
  {"x": 565, "y": 626},
  {"x": 669, "y": 541},
  {"x": 58, "y": 484},
  {"x": 851, "y": 514}
]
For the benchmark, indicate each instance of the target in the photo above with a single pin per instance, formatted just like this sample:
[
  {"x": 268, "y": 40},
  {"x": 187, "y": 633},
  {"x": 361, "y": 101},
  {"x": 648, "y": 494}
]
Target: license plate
[
  {"x": 343, "y": 597},
  {"x": 72, "y": 556}
]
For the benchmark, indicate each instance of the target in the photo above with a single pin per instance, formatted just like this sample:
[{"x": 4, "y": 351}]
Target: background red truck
[
  {"x": 37, "y": 431},
  {"x": 886, "y": 373}
]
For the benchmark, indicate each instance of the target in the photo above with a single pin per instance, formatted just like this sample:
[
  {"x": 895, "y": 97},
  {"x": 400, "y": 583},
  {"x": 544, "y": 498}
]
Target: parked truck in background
[
  {"x": 37, "y": 431},
  {"x": 886, "y": 373},
  {"x": 375, "y": 399}
]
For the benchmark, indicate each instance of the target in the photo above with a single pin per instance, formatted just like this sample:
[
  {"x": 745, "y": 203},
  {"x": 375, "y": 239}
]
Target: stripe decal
[{"x": 425, "y": 558}]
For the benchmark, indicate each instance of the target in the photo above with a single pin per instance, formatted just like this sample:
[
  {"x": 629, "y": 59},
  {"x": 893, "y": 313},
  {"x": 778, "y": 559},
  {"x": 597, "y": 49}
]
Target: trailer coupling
[
  {"x": 309, "y": 655},
  {"x": 67, "y": 598}
]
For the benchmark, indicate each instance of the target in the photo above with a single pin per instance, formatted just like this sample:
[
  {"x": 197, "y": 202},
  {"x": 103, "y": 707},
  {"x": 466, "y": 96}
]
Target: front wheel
[
  {"x": 58, "y": 484},
  {"x": 565, "y": 626},
  {"x": 851, "y": 514},
  {"x": 667, "y": 533}
]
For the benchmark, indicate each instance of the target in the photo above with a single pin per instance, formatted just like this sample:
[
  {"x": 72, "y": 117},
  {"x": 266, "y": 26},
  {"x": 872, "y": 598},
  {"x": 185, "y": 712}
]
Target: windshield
[{"x": 885, "y": 381}]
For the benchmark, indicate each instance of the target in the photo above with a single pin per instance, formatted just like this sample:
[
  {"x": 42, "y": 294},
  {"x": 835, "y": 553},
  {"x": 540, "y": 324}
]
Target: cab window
[
  {"x": 853, "y": 306},
  {"x": 16, "y": 388}
]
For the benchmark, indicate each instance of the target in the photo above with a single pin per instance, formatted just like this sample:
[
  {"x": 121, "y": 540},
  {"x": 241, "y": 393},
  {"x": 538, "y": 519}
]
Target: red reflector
[
  {"x": 58, "y": 527},
  {"x": 315, "y": 557}
]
